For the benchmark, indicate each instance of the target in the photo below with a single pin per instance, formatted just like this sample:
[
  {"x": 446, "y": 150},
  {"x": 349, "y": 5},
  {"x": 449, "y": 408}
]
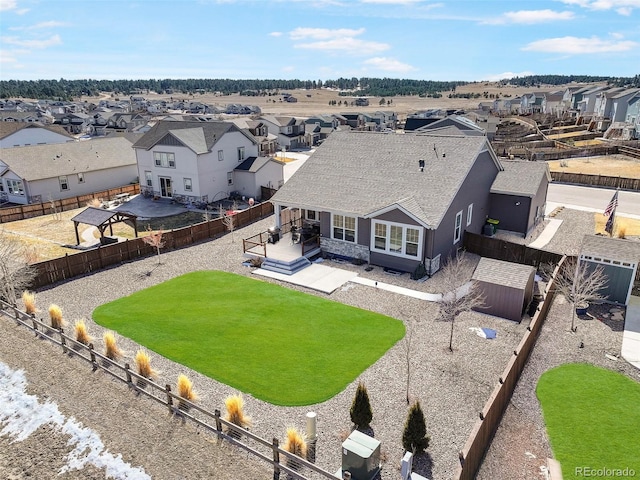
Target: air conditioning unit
[{"x": 361, "y": 456}]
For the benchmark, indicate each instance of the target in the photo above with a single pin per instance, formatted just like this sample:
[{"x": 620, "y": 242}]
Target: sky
[{"x": 447, "y": 40}]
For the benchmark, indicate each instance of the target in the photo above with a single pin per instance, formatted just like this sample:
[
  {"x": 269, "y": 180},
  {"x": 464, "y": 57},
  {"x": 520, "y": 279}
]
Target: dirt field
[{"x": 614, "y": 165}]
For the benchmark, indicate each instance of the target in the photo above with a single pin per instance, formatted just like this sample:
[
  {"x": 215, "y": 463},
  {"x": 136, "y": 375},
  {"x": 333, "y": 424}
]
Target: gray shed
[
  {"x": 619, "y": 259},
  {"x": 507, "y": 287}
]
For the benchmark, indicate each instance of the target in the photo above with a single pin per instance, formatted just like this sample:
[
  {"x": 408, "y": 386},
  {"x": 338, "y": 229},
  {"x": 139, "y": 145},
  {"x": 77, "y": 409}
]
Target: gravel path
[{"x": 451, "y": 387}]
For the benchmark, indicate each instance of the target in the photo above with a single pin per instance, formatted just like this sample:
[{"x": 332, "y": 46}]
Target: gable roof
[
  {"x": 366, "y": 172},
  {"x": 611, "y": 248},
  {"x": 198, "y": 136},
  {"x": 38, "y": 162},
  {"x": 462, "y": 124},
  {"x": 8, "y": 128},
  {"x": 499, "y": 272},
  {"x": 520, "y": 178}
]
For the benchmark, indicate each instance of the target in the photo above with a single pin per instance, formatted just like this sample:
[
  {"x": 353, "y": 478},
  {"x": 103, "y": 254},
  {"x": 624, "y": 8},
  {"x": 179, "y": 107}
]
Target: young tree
[
  {"x": 15, "y": 272},
  {"x": 460, "y": 294},
  {"x": 580, "y": 283},
  {"x": 155, "y": 240},
  {"x": 414, "y": 436},
  {"x": 361, "y": 414},
  {"x": 229, "y": 219}
]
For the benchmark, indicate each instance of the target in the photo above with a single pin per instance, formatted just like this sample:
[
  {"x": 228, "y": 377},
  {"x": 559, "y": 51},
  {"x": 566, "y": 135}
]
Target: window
[
  {"x": 81, "y": 178},
  {"x": 187, "y": 185},
  {"x": 344, "y": 228},
  {"x": 457, "y": 231},
  {"x": 397, "y": 239},
  {"x": 311, "y": 215},
  {"x": 220, "y": 155},
  {"x": 1, "y": 186},
  {"x": 230, "y": 178},
  {"x": 148, "y": 177},
  {"x": 15, "y": 187},
  {"x": 469, "y": 214},
  {"x": 240, "y": 154},
  {"x": 164, "y": 159},
  {"x": 64, "y": 183}
]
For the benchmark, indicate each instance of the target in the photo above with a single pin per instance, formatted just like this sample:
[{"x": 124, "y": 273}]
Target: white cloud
[
  {"x": 531, "y": 17},
  {"x": 41, "y": 25},
  {"x": 323, "y": 33},
  {"x": 351, "y": 46},
  {"x": 504, "y": 75},
  {"x": 53, "y": 40},
  {"x": 389, "y": 65},
  {"x": 623, "y": 7},
  {"x": 393, "y": 2},
  {"x": 8, "y": 5},
  {"x": 275, "y": 34},
  {"x": 577, "y": 46}
]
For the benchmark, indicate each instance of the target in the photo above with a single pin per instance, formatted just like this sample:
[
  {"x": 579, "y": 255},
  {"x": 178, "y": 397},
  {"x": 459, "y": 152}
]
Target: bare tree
[
  {"x": 15, "y": 272},
  {"x": 580, "y": 283},
  {"x": 155, "y": 240},
  {"x": 55, "y": 212},
  {"x": 460, "y": 293},
  {"x": 229, "y": 219},
  {"x": 410, "y": 327}
]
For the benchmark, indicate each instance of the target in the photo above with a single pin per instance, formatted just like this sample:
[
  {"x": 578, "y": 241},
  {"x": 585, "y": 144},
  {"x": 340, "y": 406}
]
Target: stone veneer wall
[{"x": 345, "y": 249}]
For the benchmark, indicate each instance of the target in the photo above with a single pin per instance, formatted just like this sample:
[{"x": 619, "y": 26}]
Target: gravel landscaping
[{"x": 452, "y": 388}]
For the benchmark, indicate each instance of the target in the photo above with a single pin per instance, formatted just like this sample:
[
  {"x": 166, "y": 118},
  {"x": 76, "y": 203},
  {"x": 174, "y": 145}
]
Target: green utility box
[{"x": 361, "y": 456}]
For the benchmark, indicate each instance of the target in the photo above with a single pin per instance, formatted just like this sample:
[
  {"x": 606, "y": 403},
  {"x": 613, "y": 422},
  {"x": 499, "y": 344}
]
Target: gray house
[{"x": 399, "y": 201}]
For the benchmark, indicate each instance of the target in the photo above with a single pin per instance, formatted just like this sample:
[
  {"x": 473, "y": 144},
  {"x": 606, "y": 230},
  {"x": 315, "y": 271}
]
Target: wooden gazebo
[{"x": 101, "y": 219}]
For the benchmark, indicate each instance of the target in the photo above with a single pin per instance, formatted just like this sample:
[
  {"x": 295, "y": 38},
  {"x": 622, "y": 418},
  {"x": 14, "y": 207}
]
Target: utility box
[{"x": 361, "y": 456}]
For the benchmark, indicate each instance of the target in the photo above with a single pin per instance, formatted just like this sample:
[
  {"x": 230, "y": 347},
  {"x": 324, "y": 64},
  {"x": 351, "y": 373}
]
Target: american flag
[{"x": 611, "y": 208}]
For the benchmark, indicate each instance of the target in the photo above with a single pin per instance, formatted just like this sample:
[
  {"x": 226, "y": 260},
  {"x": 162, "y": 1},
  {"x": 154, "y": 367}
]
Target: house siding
[
  {"x": 504, "y": 209},
  {"x": 505, "y": 302},
  {"x": 33, "y": 136}
]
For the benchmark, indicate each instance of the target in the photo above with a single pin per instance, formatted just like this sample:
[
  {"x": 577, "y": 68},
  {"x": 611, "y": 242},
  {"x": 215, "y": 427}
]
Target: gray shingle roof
[
  {"x": 365, "y": 172},
  {"x": 7, "y": 128},
  {"x": 608, "y": 248},
  {"x": 48, "y": 161},
  {"x": 199, "y": 136},
  {"x": 94, "y": 216},
  {"x": 520, "y": 178},
  {"x": 498, "y": 272}
]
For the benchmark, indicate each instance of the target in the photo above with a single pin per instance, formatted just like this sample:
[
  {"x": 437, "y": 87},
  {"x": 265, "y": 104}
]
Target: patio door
[{"x": 165, "y": 187}]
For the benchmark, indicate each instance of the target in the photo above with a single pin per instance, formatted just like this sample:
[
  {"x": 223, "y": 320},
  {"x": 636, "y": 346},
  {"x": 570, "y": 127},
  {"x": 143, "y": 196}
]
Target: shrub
[
  {"x": 143, "y": 364},
  {"x": 414, "y": 436},
  {"x": 29, "y": 301},
  {"x": 361, "y": 414},
  {"x": 81, "y": 332},
  {"x": 111, "y": 350},
  {"x": 296, "y": 444},
  {"x": 622, "y": 232},
  {"x": 235, "y": 411},
  {"x": 185, "y": 390},
  {"x": 55, "y": 315}
]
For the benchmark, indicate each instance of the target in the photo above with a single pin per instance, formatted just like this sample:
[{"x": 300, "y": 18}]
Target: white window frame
[
  {"x": 188, "y": 185},
  {"x": 229, "y": 178},
  {"x": 220, "y": 155},
  {"x": 457, "y": 229},
  {"x": 469, "y": 214},
  {"x": 15, "y": 187},
  {"x": 314, "y": 217},
  {"x": 334, "y": 226},
  {"x": 64, "y": 183},
  {"x": 385, "y": 233},
  {"x": 148, "y": 178},
  {"x": 240, "y": 154},
  {"x": 164, "y": 159},
  {"x": 80, "y": 177}
]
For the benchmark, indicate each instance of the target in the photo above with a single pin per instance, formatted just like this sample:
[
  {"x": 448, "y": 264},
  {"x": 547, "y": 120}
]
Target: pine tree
[
  {"x": 414, "y": 437},
  {"x": 361, "y": 414}
]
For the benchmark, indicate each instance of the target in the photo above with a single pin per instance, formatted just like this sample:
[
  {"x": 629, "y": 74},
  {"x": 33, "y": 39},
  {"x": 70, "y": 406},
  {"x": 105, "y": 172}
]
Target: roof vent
[
  {"x": 444, "y": 154},
  {"x": 421, "y": 165}
]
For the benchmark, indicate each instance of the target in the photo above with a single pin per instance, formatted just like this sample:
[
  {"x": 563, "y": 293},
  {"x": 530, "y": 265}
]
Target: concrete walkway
[
  {"x": 547, "y": 234},
  {"x": 316, "y": 277},
  {"x": 631, "y": 336},
  {"x": 429, "y": 297}
]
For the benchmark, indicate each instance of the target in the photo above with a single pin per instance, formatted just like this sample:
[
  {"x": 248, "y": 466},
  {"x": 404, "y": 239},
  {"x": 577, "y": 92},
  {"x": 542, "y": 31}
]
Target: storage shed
[
  {"x": 507, "y": 287},
  {"x": 619, "y": 258}
]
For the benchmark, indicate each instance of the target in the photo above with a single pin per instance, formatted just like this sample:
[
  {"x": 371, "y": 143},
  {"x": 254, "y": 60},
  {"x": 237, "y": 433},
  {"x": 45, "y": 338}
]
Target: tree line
[{"x": 537, "y": 80}]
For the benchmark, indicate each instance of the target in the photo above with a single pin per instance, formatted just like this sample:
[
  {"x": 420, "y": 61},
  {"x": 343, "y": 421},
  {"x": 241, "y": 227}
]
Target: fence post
[
  {"x": 126, "y": 370},
  {"x": 35, "y": 325},
  {"x": 216, "y": 414},
  {"x": 167, "y": 388},
  {"x": 16, "y": 312},
  {"x": 94, "y": 364},
  {"x": 276, "y": 459},
  {"x": 63, "y": 340}
]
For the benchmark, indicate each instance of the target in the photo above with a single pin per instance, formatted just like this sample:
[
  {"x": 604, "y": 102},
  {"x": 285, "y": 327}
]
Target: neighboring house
[
  {"x": 75, "y": 123},
  {"x": 461, "y": 125},
  {"x": 15, "y": 116},
  {"x": 126, "y": 121},
  {"x": 551, "y": 103},
  {"x": 289, "y": 130},
  {"x": 267, "y": 142},
  {"x": 326, "y": 124},
  {"x": 620, "y": 104},
  {"x": 401, "y": 200},
  {"x": 192, "y": 161},
  {"x": 633, "y": 116},
  {"x": 587, "y": 104},
  {"x": 257, "y": 172},
  {"x": 50, "y": 172},
  {"x": 20, "y": 134}
]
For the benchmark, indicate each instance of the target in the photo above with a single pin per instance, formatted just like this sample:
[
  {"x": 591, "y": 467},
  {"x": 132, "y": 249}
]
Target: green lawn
[
  {"x": 593, "y": 420},
  {"x": 279, "y": 345}
]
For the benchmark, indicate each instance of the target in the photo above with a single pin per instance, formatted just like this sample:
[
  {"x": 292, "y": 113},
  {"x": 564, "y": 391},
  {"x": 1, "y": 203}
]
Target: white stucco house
[{"x": 20, "y": 134}]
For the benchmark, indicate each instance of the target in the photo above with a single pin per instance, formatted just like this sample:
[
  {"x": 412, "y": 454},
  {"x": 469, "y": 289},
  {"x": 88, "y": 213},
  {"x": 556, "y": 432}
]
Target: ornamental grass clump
[
  {"x": 185, "y": 391},
  {"x": 55, "y": 315},
  {"x": 111, "y": 350},
  {"x": 143, "y": 364},
  {"x": 29, "y": 301},
  {"x": 81, "y": 332},
  {"x": 235, "y": 414},
  {"x": 296, "y": 444}
]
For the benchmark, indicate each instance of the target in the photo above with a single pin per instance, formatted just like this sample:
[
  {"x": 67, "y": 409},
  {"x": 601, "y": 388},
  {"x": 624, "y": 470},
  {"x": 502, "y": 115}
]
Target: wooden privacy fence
[
  {"x": 597, "y": 180},
  {"x": 69, "y": 266},
  {"x": 268, "y": 451},
  {"x": 11, "y": 214},
  {"x": 478, "y": 442},
  {"x": 508, "y": 251}
]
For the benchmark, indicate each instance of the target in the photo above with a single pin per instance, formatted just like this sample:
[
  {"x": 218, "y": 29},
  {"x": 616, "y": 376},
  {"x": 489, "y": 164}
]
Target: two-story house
[{"x": 290, "y": 131}]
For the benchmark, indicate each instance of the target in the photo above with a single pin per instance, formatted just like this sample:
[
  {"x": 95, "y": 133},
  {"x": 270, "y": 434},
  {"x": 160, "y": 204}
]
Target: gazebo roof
[{"x": 94, "y": 216}]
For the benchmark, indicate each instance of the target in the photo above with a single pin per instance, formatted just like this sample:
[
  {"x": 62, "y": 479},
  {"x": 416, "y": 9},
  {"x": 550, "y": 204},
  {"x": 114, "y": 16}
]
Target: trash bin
[{"x": 274, "y": 234}]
